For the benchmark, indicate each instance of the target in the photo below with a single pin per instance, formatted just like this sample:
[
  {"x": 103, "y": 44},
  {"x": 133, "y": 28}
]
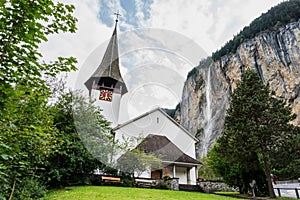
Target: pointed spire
[
  {"x": 117, "y": 19},
  {"x": 108, "y": 73},
  {"x": 117, "y": 16}
]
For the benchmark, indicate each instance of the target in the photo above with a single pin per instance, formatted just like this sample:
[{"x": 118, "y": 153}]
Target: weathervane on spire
[{"x": 117, "y": 15}]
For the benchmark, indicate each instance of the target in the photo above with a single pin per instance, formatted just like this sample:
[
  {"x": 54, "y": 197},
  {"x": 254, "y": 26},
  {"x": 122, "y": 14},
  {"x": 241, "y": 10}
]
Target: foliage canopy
[{"x": 26, "y": 123}]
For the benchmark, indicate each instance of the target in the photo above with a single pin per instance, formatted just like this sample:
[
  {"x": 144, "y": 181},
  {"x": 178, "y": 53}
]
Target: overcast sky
[{"x": 207, "y": 23}]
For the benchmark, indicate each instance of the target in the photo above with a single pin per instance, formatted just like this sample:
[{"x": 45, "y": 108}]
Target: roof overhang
[{"x": 181, "y": 164}]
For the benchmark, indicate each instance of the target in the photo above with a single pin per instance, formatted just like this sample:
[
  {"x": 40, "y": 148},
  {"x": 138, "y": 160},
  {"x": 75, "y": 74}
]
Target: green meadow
[{"x": 126, "y": 193}]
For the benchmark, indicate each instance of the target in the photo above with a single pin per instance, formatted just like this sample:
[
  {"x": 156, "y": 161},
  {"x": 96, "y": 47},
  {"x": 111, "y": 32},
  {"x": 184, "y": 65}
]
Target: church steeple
[
  {"x": 108, "y": 72},
  {"x": 106, "y": 85}
]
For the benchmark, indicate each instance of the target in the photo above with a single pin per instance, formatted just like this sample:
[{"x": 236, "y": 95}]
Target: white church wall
[
  {"x": 181, "y": 173},
  {"x": 157, "y": 123},
  {"x": 145, "y": 174},
  {"x": 110, "y": 110},
  {"x": 193, "y": 176}
]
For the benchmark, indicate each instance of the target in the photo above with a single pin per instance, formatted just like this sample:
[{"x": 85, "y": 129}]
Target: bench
[
  {"x": 110, "y": 179},
  {"x": 145, "y": 182}
]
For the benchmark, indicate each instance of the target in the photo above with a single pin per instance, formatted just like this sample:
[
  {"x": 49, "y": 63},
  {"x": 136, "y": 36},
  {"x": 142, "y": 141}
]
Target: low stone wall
[
  {"x": 212, "y": 186},
  {"x": 173, "y": 184}
]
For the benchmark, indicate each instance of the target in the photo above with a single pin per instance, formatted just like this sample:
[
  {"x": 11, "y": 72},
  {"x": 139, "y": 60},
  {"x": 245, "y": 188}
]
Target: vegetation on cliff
[{"x": 276, "y": 17}]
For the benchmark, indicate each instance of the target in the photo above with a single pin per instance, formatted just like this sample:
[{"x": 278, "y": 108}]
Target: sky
[{"x": 160, "y": 41}]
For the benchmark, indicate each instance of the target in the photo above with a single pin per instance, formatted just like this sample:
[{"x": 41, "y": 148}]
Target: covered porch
[
  {"x": 187, "y": 173},
  {"x": 176, "y": 163}
]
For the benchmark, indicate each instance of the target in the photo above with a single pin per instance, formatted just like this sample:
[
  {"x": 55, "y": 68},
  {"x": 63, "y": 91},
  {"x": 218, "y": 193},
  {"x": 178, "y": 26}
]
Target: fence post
[
  {"x": 297, "y": 193},
  {"x": 278, "y": 190}
]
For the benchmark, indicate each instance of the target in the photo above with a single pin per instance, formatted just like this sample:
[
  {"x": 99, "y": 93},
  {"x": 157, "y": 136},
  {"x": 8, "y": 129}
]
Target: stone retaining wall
[{"x": 211, "y": 186}]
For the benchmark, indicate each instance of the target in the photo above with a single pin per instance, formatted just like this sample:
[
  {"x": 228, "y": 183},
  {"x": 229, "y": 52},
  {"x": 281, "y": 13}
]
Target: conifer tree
[{"x": 255, "y": 125}]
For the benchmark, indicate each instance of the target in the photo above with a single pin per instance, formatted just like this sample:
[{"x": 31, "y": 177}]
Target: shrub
[
  {"x": 162, "y": 185},
  {"x": 29, "y": 188}
]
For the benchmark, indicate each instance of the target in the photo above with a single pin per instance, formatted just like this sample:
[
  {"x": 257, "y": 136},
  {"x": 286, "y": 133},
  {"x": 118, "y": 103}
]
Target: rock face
[{"x": 275, "y": 55}]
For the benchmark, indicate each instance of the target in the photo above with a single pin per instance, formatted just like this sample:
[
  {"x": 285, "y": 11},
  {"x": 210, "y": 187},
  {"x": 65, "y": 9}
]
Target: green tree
[
  {"x": 131, "y": 160},
  {"x": 256, "y": 124},
  {"x": 285, "y": 160},
  {"x": 237, "y": 173},
  {"x": 135, "y": 162},
  {"x": 205, "y": 171},
  {"x": 24, "y": 25},
  {"x": 94, "y": 131},
  {"x": 26, "y": 127},
  {"x": 26, "y": 123},
  {"x": 70, "y": 162},
  {"x": 223, "y": 167}
]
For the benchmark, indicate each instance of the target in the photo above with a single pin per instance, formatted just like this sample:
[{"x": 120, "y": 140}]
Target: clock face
[{"x": 105, "y": 95}]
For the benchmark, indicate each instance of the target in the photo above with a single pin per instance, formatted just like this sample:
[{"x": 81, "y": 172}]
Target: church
[{"x": 163, "y": 135}]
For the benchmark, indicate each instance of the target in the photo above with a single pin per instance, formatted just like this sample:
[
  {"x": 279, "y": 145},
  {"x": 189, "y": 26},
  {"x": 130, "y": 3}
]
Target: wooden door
[{"x": 156, "y": 174}]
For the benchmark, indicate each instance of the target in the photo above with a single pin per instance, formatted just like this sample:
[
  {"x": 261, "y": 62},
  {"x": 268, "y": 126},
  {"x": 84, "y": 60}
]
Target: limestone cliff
[{"x": 275, "y": 55}]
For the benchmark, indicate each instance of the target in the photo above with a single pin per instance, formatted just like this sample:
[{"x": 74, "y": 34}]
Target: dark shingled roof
[
  {"x": 108, "y": 72},
  {"x": 164, "y": 149}
]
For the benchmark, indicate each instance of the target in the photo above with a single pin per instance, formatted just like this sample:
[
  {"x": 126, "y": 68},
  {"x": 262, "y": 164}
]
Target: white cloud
[
  {"x": 158, "y": 62},
  {"x": 189, "y": 18},
  {"x": 89, "y": 35},
  {"x": 139, "y": 13},
  {"x": 209, "y": 23}
]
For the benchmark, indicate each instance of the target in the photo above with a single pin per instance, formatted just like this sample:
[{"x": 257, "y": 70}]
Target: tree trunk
[
  {"x": 268, "y": 172},
  {"x": 12, "y": 190}
]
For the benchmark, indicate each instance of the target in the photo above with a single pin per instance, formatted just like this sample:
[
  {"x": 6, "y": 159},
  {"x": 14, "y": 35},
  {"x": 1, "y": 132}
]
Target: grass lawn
[{"x": 123, "y": 193}]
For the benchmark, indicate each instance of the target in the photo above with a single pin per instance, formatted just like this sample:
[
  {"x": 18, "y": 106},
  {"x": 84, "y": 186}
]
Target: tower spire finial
[{"x": 117, "y": 16}]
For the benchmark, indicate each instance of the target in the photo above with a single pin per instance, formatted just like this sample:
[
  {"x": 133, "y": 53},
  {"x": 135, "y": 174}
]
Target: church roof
[
  {"x": 165, "y": 114},
  {"x": 164, "y": 149},
  {"x": 108, "y": 71}
]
